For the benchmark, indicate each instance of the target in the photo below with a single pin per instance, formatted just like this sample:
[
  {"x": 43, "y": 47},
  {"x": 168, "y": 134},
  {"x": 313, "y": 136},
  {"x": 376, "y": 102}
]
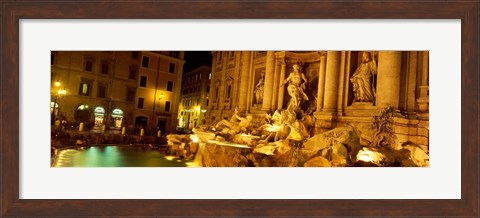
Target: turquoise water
[{"x": 115, "y": 156}]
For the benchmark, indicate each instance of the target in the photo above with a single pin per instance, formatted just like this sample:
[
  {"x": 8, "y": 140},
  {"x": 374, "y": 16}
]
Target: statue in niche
[
  {"x": 362, "y": 79},
  {"x": 259, "y": 89},
  {"x": 296, "y": 84}
]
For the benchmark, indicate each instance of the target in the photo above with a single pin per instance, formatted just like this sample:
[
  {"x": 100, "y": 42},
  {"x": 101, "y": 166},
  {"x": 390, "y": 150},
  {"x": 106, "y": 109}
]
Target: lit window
[
  {"x": 84, "y": 89},
  {"x": 117, "y": 112}
]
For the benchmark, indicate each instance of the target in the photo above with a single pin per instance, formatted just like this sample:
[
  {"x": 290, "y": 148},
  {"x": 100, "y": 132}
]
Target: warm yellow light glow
[
  {"x": 170, "y": 157},
  {"x": 161, "y": 96},
  {"x": 62, "y": 92},
  {"x": 194, "y": 138},
  {"x": 367, "y": 155},
  {"x": 229, "y": 144},
  {"x": 57, "y": 83},
  {"x": 192, "y": 164},
  {"x": 273, "y": 128}
]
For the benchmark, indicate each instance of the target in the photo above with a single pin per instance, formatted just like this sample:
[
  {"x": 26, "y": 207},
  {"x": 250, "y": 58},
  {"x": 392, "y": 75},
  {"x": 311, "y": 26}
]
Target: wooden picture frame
[{"x": 13, "y": 11}]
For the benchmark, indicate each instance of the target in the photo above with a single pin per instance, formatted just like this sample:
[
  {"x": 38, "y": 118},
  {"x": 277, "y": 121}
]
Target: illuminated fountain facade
[{"x": 313, "y": 109}]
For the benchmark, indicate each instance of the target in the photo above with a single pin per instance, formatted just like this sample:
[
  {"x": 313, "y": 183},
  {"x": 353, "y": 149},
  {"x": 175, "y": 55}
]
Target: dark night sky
[{"x": 195, "y": 59}]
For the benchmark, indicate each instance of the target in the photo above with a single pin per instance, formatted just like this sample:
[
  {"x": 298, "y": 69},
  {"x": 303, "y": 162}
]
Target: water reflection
[{"x": 115, "y": 156}]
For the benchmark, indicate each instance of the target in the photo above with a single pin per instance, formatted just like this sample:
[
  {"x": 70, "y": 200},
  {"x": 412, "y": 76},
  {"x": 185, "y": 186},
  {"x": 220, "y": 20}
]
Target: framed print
[{"x": 438, "y": 42}]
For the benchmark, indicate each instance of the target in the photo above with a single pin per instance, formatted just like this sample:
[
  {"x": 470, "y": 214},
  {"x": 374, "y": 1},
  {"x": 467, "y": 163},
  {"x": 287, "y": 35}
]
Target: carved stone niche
[
  {"x": 362, "y": 81},
  {"x": 218, "y": 60},
  {"x": 258, "y": 83},
  {"x": 228, "y": 93},
  {"x": 231, "y": 59}
]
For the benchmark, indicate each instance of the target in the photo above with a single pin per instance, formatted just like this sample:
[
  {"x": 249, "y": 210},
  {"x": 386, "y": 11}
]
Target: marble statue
[
  {"x": 362, "y": 79},
  {"x": 298, "y": 131},
  {"x": 259, "y": 89},
  {"x": 235, "y": 125},
  {"x": 296, "y": 84},
  {"x": 229, "y": 123},
  {"x": 275, "y": 127}
]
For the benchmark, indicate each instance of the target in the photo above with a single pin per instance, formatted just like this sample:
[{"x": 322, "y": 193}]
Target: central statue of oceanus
[{"x": 296, "y": 85}]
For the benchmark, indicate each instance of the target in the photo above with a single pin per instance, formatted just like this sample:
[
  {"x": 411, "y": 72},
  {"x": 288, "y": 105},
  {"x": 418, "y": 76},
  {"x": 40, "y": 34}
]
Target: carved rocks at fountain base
[{"x": 219, "y": 154}]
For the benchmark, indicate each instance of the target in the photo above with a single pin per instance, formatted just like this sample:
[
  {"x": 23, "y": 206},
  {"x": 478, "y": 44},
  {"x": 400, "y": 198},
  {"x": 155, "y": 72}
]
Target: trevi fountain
[{"x": 364, "y": 129}]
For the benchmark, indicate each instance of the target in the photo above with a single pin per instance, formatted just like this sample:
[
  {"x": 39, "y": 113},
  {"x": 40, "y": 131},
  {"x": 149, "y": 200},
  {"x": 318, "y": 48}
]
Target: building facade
[
  {"x": 338, "y": 88},
  {"x": 158, "y": 92},
  {"x": 195, "y": 97},
  {"x": 102, "y": 88}
]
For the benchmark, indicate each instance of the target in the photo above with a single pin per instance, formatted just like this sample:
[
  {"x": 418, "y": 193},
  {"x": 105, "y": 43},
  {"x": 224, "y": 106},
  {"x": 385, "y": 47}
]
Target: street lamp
[{"x": 60, "y": 92}]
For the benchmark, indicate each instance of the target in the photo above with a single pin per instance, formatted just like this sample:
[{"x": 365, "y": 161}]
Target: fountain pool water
[{"x": 115, "y": 156}]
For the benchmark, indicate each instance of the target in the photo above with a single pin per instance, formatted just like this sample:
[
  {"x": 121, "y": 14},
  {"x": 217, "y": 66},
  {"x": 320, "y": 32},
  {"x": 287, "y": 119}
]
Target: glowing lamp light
[
  {"x": 62, "y": 92},
  {"x": 57, "y": 83}
]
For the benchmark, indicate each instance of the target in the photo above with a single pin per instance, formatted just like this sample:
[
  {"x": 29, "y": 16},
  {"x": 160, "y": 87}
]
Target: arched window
[
  {"x": 117, "y": 116},
  {"x": 82, "y": 114},
  {"x": 99, "y": 113}
]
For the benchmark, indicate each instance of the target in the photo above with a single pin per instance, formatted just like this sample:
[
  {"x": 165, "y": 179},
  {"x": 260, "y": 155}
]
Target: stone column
[
  {"x": 388, "y": 79},
  {"x": 423, "y": 99},
  {"x": 275, "y": 84},
  {"x": 221, "y": 98},
  {"x": 341, "y": 82},
  {"x": 321, "y": 82},
  {"x": 244, "y": 77},
  {"x": 411, "y": 81},
  {"x": 281, "y": 89},
  {"x": 269, "y": 73},
  {"x": 212, "y": 96},
  {"x": 331, "y": 81}
]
